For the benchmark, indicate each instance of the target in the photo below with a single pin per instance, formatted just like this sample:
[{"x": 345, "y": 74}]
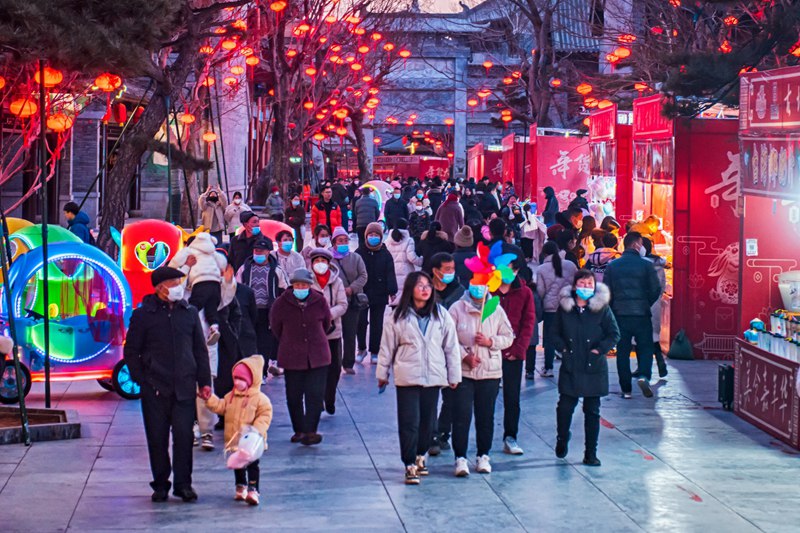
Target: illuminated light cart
[
  {"x": 483, "y": 161},
  {"x": 766, "y": 392},
  {"x": 686, "y": 173},
  {"x": 89, "y": 309},
  {"x": 611, "y": 158}
]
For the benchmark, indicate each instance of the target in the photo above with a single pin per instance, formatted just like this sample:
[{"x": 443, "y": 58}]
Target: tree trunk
[{"x": 357, "y": 125}]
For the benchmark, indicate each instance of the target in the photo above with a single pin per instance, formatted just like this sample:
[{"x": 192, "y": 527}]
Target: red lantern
[
  {"x": 209, "y": 136},
  {"x": 590, "y": 102},
  {"x": 367, "y": 78},
  {"x": 278, "y": 6},
  {"x": 363, "y": 49},
  {"x": 228, "y": 44},
  {"x": 622, "y": 52},
  {"x": 291, "y": 52},
  {"x": 602, "y": 104},
  {"x": 2, "y": 82},
  {"x": 230, "y": 81},
  {"x": 725, "y": 47},
  {"x": 612, "y": 58},
  {"x": 308, "y": 105},
  {"x": 237, "y": 70},
  {"x": 405, "y": 54},
  {"x": 311, "y": 71},
  {"x": 449, "y": 122},
  {"x": 138, "y": 114},
  {"x": 52, "y": 77},
  {"x": 626, "y": 38},
  {"x": 252, "y": 61},
  {"x": 239, "y": 24},
  {"x": 641, "y": 86},
  {"x": 120, "y": 113},
  {"x": 108, "y": 82},
  {"x": 506, "y": 118},
  {"x": 376, "y": 36},
  {"x": 730, "y": 20},
  {"x": 206, "y": 49},
  {"x": 341, "y": 131},
  {"x": 583, "y": 89},
  {"x": 508, "y": 81},
  {"x": 246, "y": 51},
  {"x": 187, "y": 118},
  {"x": 376, "y": 140},
  {"x": 23, "y": 107},
  {"x": 60, "y": 122},
  {"x": 483, "y": 93},
  {"x": 472, "y": 102},
  {"x": 586, "y": 122},
  {"x": 356, "y": 66},
  {"x": 555, "y": 83},
  {"x": 388, "y": 47},
  {"x": 291, "y": 125},
  {"x": 487, "y": 65},
  {"x": 319, "y": 136}
]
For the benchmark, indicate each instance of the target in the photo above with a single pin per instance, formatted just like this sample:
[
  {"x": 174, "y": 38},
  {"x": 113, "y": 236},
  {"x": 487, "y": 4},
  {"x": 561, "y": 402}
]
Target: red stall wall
[
  {"x": 563, "y": 164},
  {"x": 482, "y": 162},
  {"x": 513, "y": 158},
  {"x": 706, "y": 242},
  {"x": 773, "y": 227}
]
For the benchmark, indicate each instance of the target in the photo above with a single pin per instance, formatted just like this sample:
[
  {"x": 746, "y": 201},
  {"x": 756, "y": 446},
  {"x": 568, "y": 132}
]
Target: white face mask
[
  {"x": 642, "y": 251},
  {"x": 320, "y": 268},
  {"x": 176, "y": 293},
  {"x": 237, "y": 201},
  {"x": 324, "y": 241}
]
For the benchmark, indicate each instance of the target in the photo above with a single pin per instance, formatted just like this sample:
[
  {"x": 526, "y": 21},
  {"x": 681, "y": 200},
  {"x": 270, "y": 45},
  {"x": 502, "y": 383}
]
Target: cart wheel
[
  {"x": 107, "y": 384},
  {"x": 8, "y": 383},
  {"x": 124, "y": 383}
]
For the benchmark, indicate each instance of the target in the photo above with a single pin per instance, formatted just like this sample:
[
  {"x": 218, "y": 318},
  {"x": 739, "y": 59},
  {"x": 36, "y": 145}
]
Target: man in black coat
[
  {"x": 241, "y": 246},
  {"x": 395, "y": 209},
  {"x": 165, "y": 350},
  {"x": 634, "y": 289}
]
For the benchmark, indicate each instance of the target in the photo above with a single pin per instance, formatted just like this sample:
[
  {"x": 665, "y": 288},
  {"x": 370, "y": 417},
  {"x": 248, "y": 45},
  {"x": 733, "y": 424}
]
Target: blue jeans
[{"x": 549, "y": 334}]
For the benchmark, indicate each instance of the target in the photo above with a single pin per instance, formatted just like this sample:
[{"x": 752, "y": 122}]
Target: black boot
[
  {"x": 562, "y": 446},
  {"x": 590, "y": 458}
]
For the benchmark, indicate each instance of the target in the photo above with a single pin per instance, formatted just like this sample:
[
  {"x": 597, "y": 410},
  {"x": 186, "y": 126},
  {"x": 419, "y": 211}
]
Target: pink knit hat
[{"x": 242, "y": 372}]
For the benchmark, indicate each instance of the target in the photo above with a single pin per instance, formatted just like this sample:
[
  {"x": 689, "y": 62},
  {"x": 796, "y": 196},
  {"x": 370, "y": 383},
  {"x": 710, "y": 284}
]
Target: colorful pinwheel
[{"x": 490, "y": 266}]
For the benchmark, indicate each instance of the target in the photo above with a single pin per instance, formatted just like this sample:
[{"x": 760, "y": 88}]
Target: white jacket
[
  {"x": 210, "y": 264},
  {"x": 232, "y": 213},
  {"x": 496, "y": 326},
  {"x": 430, "y": 360},
  {"x": 336, "y": 298},
  {"x": 548, "y": 285},
  {"x": 288, "y": 263},
  {"x": 405, "y": 257}
]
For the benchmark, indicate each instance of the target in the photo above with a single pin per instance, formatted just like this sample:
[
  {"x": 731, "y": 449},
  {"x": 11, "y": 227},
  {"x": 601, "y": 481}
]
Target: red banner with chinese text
[
  {"x": 770, "y": 101},
  {"x": 563, "y": 164},
  {"x": 648, "y": 122}
]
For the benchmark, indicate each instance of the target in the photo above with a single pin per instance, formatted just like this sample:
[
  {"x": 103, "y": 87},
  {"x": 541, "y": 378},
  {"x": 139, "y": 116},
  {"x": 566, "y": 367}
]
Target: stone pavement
[{"x": 675, "y": 463}]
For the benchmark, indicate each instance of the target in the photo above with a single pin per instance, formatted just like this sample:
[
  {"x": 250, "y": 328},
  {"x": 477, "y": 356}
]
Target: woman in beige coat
[
  {"x": 212, "y": 204},
  {"x": 482, "y": 343},
  {"x": 420, "y": 346}
]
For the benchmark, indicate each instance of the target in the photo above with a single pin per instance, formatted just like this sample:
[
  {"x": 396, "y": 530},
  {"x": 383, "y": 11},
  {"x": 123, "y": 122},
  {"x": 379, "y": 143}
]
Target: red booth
[
  {"x": 611, "y": 158},
  {"x": 484, "y": 162},
  {"x": 685, "y": 172},
  {"x": 517, "y": 163},
  {"x": 766, "y": 385},
  {"x": 417, "y": 166}
]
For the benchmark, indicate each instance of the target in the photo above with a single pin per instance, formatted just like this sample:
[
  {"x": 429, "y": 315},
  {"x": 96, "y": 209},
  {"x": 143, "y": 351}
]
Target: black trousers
[
  {"x": 349, "y": 332},
  {"x": 217, "y": 235},
  {"x": 641, "y": 329},
  {"x": 265, "y": 340},
  {"x": 530, "y": 358},
  {"x": 334, "y": 371},
  {"x": 206, "y": 297},
  {"x": 591, "y": 419},
  {"x": 304, "y": 393},
  {"x": 248, "y": 475},
  {"x": 361, "y": 233},
  {"x": 512, "y": 383},
  {"x": 662, "y": 366},
  {"x": 372, "y": 316},
  {"x": 161, "y": 414},
  {"x": 480, "y": 396},
  {"x": 527, "y": 247},
  {"x": 444, "y": 425},
  {"x": 416, "y": 411}
]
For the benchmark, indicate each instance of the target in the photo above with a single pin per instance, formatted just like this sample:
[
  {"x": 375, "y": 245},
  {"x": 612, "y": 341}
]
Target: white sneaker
[
  {"x": 360, "y": 356},
  {"x": 484, "y": 466},
  {"x": 196, "y": 434},
  {"x": 462, "y": 467},
  {"x": 511, "y": 447},
  {"x": 374, "y": 359}
]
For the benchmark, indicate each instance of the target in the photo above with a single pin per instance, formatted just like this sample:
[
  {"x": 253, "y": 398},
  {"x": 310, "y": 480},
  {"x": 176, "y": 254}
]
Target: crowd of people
[{"x": 403, "y": 299}]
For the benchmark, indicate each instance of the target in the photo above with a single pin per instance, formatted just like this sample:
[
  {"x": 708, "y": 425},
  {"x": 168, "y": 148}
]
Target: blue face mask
[
  {"x": 286, "y": 246},
  {"x": 477, "y": 291},
  {"x": 373, "y": 241},
  {"x": 295, "y": 203},
  {"x": 256, "y": 230},
  {"x": 584, "y": 293},
  {"x": 259, "y": 258},
  {"x": 396, "y": 196},
  {"x": 420, "y": 196},
  {"x": 300, "y": 294},
  {"x": 343, "y": 248},
  {"x": 448, "y": 278}
]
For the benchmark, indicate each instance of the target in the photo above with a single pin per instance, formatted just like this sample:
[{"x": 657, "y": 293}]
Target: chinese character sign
[{"x": 563, "y": 164}]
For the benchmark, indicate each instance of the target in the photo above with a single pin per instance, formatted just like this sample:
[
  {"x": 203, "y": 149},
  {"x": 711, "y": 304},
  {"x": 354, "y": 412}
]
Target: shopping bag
[
  {"x": 249, "y": 449},
  {"x": 681, "y": 347}
]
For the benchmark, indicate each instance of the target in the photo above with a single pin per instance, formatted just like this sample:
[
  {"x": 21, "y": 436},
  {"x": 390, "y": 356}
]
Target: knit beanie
[
  {"x": 463, "y": 238},
  {"x": 374, "y": 227},
  {"x": 242, "y": 371},
  {"x": 338, "y": 231}
]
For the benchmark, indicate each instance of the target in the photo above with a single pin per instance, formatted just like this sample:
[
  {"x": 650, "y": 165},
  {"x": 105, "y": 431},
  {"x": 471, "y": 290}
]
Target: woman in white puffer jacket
[{"x": 401, "y": 246}]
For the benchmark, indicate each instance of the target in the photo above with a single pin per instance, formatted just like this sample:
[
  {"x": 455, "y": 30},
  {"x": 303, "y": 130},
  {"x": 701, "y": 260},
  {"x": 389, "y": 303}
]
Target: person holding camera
[{"x": 212, "y": 204}]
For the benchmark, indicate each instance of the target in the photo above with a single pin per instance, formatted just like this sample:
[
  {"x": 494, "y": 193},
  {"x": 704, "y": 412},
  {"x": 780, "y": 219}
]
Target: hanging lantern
[
  {"x": 341, "y": 131},
  {"x": 228, "y": 44},
  {"x": 612, "y": 58},
  {"x": 108, "y": 82},
  {"x": 291, "y": 125},
  {"x": 413, "y": 116},
  {"x": 333, "y": 101},
  {"x": 2, "y": 82},
  {"x": 120, "y": 113},
  {"x": 622, "y": 52},
  {"x": 59, "y": 122},
  {"x": 730, "y": 20},
  {"x": 388, "y": 47},
  {"x": 209, "y": 136},
  {"x": 239, "y": 24},
  {"x": 483, "y": 93},
  {"x": 23, "y": 107},
  {"x": 350, "y": 59},
  {"x": 641, "y": 86},
  {"x": 187, "y": 118},
  {"x": 508, "y": 81},
  {"x": 52, "y": 77},
  {"x": 308, "y": 105},
  {"x": 367, "y": 78},
  {"x": 291, "y": 52},
  {"x": 516, "y": 74},
  {"x": 376, "y": 140},
  {"x": 323, "y": 40},
  {"x": 586, "y": 122},
  {"x": 657, "y": 30},
  {"x": 341, "y": 114},
  {"x": 278, "y": 6},
  {"x": 319, "y": 136},
  {"x": 449, "y": 122},
  {"x": 405, "y": 54},
  {"x": 590, "y": 102},
  {"x": 725, "y": 47},
  {"x": 230, "y": 81},
  {"x": 363, "y": 49},
  {"x": 207, "y": 82},
  {"x": 303, "y": 27},
  {"x": 372, "y": 103},
  {"x": 356, "y": 66},
  {"x": 137, "y": 114},
  {"x": 310, "y": 71},
  {"x": 584, "y": 88},
  {"x": 319, "y": 116},
  {"x": 602, "y": 104},
  {"x": 246, "y": 51},
  {"x": 206, "y": 49},
  {"x": 220, "y": 30},
  {"x": 505, "y": 112},
  {"x": 626, "y": 38},
  {"x": 330, "y": 19},
  {"x": 472, "y": 102},
  {"x": 376, "y": 36},
  {"x": 252, "y": 61},
  {"x": 237, "y": 70},
  {"x": 555, "y": 83},
  {"x": 506, "y": 118},
  {"x": 373, "y": 90}
]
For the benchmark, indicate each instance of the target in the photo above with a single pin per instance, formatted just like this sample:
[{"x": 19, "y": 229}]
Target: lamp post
[{"x": 45, "y": 277}]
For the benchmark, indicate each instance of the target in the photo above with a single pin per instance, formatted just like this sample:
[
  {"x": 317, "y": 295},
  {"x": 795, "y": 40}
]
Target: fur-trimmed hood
[{"x": 601, "y": 298}]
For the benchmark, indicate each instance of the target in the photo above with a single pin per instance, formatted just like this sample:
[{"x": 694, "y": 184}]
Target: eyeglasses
[{"x": 424, "y": 287}]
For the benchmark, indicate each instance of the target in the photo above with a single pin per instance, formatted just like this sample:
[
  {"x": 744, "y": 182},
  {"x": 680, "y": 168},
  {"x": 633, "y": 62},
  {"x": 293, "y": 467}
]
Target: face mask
[
  {"x": 324, "y": 241},
  {"x": 295, "y": 203},
  {"x": 175, "y": 293},
  {"x": 642, "y": 252},
  {"x": 286, "y": 246},
  {"x": 420, "y": 196},
  {"x": 320, "y": 268},
  {"x": 419, "y": 208},
  {"x": 448, "y": 278},
  {"x": 213, "y": 199},
  {"x": 355, "y": 182},
  {"x": 260, "y": 259},
  {"x": 256, "y": 230},
  {"x": 240, "y": 384},
  {"x": 477, "y": 291},
  {"x": 301, "y": 294},
  {"x": 237, "y": 201},
  {"x": 373, "y": 241},
  {"x": 343, "y": 248},
  {"x": 584, "y": 293},
  {"x": 396, "y": 196}
]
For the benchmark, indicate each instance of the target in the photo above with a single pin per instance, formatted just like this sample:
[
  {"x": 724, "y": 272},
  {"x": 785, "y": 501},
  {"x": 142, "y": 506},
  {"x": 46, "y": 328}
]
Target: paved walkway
[{"x": 677, "y": 463}]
